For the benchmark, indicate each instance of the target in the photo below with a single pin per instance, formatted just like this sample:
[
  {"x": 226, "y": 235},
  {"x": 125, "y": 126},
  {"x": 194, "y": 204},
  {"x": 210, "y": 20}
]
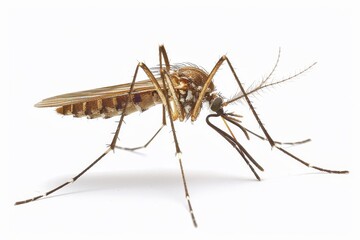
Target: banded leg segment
[
  {"x": 66, "y": 183},
  {"x": 309, "y": 165}
]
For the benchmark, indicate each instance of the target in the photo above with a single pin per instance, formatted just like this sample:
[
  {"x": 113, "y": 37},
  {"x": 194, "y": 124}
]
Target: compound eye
[{"x": 216, "y": 104}]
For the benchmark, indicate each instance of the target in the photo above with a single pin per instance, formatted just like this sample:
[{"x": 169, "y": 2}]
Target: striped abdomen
[{"x": 113, "y": 106}]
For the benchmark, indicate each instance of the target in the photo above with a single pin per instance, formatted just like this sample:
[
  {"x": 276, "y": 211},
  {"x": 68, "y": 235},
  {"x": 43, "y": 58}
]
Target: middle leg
[{"x": 151, "y": 139}]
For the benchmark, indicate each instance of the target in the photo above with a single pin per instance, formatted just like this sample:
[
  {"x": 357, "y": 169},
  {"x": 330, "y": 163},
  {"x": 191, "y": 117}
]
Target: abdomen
[{"x": 113, "y": 106}]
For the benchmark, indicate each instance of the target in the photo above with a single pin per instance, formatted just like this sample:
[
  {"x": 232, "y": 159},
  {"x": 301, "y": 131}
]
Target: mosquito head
[{"x": 216, "y": 104}]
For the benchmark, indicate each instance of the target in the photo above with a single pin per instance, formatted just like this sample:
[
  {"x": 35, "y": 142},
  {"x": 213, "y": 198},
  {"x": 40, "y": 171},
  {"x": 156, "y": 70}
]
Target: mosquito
[{"x": 181, "y": 89}]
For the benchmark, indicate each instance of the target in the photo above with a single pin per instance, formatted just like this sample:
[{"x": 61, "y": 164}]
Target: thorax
[{"x": 189, "y": 81}]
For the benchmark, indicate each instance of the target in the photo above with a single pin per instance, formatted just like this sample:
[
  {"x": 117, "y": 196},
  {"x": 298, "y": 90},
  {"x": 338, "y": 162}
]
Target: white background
[{"x": 52, "y": 48}]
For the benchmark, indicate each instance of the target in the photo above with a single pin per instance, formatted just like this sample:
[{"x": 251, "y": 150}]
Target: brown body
[{"x": 110, "y": 101}]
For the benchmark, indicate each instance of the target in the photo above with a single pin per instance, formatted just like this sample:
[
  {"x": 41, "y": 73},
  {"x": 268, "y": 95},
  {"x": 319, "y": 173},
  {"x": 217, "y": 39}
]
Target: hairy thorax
[{"x": 190, "y": 80}]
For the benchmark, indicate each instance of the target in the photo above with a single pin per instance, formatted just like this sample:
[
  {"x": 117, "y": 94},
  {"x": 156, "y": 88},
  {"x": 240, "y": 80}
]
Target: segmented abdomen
[{"x": 113, "y": 106}]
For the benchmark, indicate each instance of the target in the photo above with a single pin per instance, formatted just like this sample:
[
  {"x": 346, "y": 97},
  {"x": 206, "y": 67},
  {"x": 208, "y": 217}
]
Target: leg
[
  {"x": 111, "y": 147},
  {"x": 178, "y": 109},
  {"x": 147, "y": 143},
  {"x": 178, "y": 113},
  {"x": 66, "y": 183},
  {"x": 163, "y": 54},
  {"x": 177, "y": 147},
  {"x": 309, "y": 165}
]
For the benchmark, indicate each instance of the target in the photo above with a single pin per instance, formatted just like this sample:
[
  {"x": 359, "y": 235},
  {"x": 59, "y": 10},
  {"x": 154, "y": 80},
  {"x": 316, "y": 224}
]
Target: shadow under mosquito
[
  {"x": 287, "y": 177},
  {"x": 166, "y": 184},
  {"x": 310, "y": 173}
]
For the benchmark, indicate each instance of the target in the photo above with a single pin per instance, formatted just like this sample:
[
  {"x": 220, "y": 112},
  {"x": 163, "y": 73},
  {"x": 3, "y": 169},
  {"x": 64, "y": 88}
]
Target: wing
[{"x": 97, "y": 93}]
